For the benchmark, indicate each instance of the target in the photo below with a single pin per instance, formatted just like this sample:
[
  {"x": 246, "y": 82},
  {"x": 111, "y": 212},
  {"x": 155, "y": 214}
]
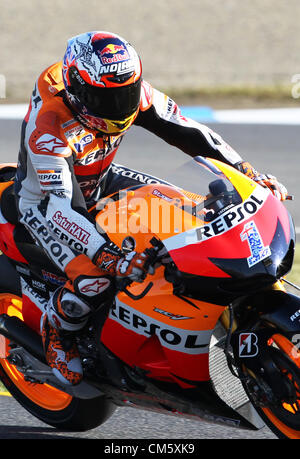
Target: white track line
[
  {"x": 282, "y": 116},
  {"x": 277, "y": 116},
  {"x": 13, "y": 111}
]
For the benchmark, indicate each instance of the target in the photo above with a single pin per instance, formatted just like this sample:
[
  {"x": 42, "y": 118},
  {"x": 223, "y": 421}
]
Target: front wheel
[
  {"x": 282, "y": 415},
  {"x": 45, "y": 402}
]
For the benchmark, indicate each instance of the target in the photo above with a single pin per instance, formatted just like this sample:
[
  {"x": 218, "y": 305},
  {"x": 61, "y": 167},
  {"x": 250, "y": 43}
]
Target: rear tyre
[{"x": 50, "y": 405}]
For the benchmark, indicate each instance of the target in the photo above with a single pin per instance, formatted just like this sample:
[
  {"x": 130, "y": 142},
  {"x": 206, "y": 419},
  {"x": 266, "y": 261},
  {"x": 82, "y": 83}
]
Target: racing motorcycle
[{"x": 212, "y": 335}]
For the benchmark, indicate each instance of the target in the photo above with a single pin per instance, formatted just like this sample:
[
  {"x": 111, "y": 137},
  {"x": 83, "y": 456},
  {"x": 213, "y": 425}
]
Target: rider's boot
[
  {"x": 68, "y": 312},
  {"x": 65, "y": 315}
]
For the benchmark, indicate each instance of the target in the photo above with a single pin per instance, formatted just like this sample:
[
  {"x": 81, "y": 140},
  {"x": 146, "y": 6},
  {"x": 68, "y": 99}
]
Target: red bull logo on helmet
[{"x": 113, "y": 53}]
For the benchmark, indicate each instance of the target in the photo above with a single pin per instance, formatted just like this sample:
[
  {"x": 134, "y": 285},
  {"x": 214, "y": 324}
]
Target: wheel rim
[
  {"x": 287, "y": 417},
  {"x": 43, "y": 395}
]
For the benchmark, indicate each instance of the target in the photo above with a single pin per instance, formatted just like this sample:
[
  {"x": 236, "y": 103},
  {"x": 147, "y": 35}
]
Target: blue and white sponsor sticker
[{"x": 259, "y": 252}]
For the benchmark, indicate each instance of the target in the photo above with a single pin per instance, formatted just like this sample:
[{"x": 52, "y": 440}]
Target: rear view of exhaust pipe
[{"x": 17, "y": 331}]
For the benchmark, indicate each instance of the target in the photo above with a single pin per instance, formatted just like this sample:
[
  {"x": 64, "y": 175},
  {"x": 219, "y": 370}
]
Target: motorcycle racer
[{"x": 79, "y": 111}]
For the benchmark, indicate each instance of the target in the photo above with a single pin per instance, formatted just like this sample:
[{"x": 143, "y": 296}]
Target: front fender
[{"x": 282, "y": 309}]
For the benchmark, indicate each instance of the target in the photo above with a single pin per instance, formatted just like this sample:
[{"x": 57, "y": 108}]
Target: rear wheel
[
  {"x": 283, "y": 416},
  {"x": 48, "y": 404}
]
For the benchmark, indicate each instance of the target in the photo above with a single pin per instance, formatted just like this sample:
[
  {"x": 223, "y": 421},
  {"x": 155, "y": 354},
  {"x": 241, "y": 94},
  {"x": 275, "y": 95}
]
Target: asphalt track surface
[{"x": 273, "y": 149}]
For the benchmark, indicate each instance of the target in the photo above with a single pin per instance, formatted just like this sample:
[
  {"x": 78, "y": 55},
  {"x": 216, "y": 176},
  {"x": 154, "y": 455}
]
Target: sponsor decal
[
  {"x": 33, "y": 295},
  {"x": 50, "y": 144},
  {"x": 176, "y": 115},
  {"x": 50, "y": 178},
  {"x": 230, "y": 219},
  {"x": 170, "y": 315},
  {"x": 92, "y": 287},
  {"x": 92, "y": 157},
  {"x": 67, "y": 240},
  {"x": 78, "y": 77},
  {"x": 68, "y": 123},
  {"x": 295, "y": 315},
  {"x": 54, "y": 248},
  {"x": 53, "y": 278},
  {"x": 71, "y": 227},
  {"x": 259, "y": 252},
  {"x": 139, "y": 177},
  {"x": 74, "y": 132},
  {"x": 86, "y": 140},
  {"x": 36, "y": 98},
  {"x": 100, "y": 153},
  {"x": 159, "y": 194},
  {"x": 147, "y": 93},
  {"x": 186, "y": 341},
  {"x": 39, "y": 285},
  {"x": 171, "y": 105},
  {"x": 118, "y": 68},
  {"x": 113, "y": 53},
  {"x": 248, "y": 345},
  {"x": 128, "y": 244},
  {"x": 223, "y": 223}
]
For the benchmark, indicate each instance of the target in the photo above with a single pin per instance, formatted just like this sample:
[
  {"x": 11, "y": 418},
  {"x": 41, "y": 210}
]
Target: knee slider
[{"x": 66, "y": 311}]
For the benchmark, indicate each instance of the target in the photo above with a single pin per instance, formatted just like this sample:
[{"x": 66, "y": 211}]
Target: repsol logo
[
  {"x": 71, "y": 227},
  {"x": 40, "y": 231},
  {"x": 230, "y": 219},
  {"x": 93, "y": 156},
  {"x": 67, "y": 239},
  {"x": 186, "y": 341}
]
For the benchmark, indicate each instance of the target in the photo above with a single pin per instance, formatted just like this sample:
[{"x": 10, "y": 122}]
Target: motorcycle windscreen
[{"x": 205, "y": 178}]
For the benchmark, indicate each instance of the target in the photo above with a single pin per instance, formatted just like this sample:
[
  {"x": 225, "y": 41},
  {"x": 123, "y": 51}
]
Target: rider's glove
[
  {"x": 133, "y": 265},
  {"x": 265, "y": 180}
]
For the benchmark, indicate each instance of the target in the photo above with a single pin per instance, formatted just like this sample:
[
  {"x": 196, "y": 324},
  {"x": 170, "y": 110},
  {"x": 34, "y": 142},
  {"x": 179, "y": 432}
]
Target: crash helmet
[{"x": 102, "y": 75}]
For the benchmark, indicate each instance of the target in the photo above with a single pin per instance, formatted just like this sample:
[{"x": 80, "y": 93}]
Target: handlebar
[{"x": 141, "y": 295}]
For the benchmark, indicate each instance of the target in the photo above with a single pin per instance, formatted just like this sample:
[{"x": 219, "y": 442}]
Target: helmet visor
[{"x": 111, "y": 103}]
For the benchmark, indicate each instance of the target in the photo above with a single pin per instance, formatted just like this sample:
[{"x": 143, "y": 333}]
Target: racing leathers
[{"x": 63, "y": 167}]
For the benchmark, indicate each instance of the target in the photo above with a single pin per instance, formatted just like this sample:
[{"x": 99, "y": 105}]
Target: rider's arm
[
  {"x": 64, "y": 207},
  {"x": 162, "y": 116}
]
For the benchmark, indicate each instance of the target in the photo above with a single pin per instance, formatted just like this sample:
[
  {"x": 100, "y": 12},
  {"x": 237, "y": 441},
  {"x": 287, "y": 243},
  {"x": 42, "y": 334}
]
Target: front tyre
[
  {"x": 283, "y": 416},
  {"x": 45, "y": 402}
]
